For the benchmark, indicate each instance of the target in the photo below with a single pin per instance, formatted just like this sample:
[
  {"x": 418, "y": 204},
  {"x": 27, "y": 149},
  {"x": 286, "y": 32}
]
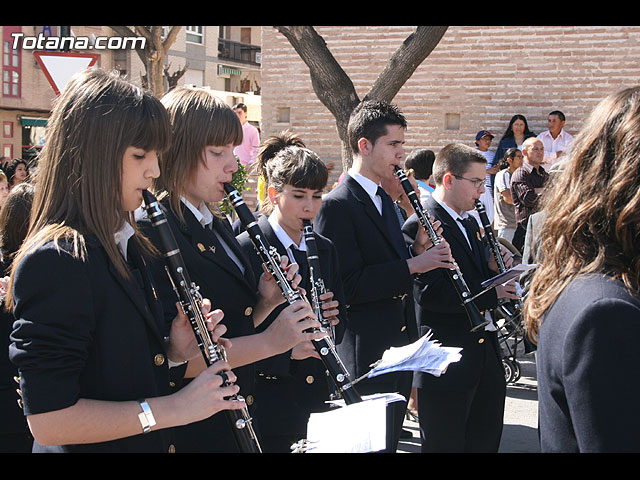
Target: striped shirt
[{"x": 524, "y": 181}]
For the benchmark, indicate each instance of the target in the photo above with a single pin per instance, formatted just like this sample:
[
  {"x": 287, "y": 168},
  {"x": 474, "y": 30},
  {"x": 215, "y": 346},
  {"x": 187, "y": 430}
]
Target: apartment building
[{"x": 226, "y": 59}]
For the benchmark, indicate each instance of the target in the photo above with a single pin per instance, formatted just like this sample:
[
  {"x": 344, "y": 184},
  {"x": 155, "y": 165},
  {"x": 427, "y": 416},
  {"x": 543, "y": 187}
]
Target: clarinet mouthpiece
[{"x": 148, "y": 197}]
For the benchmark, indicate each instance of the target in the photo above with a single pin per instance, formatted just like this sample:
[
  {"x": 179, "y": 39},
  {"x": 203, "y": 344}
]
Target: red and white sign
[{"x": 59, "y": 67}]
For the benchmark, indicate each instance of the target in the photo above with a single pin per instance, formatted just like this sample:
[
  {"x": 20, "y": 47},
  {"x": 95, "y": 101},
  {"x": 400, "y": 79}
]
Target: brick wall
[{"x": 483, "y": 74}]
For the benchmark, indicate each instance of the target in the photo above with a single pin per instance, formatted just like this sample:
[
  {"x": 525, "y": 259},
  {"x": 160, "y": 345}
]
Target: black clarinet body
[
  {"x": 271, "y": 261},
  {"x": 350, "y": 395},
  {"x": 478, "y": 321},
  {"x": 509, "y": 308},
  {"x": 191, "y": 302}
]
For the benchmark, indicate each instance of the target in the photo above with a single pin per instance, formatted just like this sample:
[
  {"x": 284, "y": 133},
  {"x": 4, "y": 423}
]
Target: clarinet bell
[{"x": 478, "y": 321}]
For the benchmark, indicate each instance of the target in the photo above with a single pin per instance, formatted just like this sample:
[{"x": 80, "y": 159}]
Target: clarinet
[
  {"x": 318, "y": 288},
  {"x": 191, "y": 302},
  {"x": 510, "y": 309},
  {"x": 478, "y": 321},
  {"x": 271, "y": 261}
]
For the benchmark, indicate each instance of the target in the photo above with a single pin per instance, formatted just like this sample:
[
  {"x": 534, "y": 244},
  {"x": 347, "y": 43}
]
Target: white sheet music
[
  {"x": 356, "y": 428},
  {"x": 423, "y": 355}
]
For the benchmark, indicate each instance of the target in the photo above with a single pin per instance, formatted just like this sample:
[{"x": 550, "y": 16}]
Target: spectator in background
[
  {"x": 14, "y": 222},
  {"x": 556, "y": 140},
  {"x": 248, "y": 149},
  {"x": 4, "y": 188},
  {"x": 514, "y": 136},
  {"x": 17, "y": 172},
  {"x": 505, "y": 213},
  {"x": 483, "y": 143},
  {"x": 421, "y": 162},
  {"x": 527, "y": 183}
]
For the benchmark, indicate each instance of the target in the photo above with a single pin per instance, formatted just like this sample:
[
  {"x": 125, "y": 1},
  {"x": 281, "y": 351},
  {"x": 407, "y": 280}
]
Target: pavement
[{"x": 520, "y": 432}]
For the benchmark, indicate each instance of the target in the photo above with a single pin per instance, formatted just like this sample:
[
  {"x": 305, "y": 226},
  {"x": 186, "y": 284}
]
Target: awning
[{"x": 33, "y": 121}]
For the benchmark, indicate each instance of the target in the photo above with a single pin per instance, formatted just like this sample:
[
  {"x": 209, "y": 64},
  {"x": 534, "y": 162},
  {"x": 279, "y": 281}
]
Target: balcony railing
[{"x": 239, "y": 52}]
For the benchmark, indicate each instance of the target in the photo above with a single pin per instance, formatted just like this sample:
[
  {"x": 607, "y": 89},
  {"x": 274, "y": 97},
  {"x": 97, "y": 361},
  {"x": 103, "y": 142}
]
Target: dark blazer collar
[
  {"x": 370, "y": 209},
  {"x": 455, "y": 234},
  {"x": 132, "y": 288},
  {"x": 201, "y": 240}
]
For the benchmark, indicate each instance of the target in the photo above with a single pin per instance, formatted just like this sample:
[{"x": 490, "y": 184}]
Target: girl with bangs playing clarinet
[
  {"x": 295, "y": 384},
  {"x": 193, "y": 172},
  {"x": 89, "y": 338}
]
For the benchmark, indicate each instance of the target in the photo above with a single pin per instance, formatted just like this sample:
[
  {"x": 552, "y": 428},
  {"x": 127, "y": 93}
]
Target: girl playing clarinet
[
  {"x": 294, "y": 384},
  {"x": 192, "y": 173},
  {"x": 89, "y": 340}
]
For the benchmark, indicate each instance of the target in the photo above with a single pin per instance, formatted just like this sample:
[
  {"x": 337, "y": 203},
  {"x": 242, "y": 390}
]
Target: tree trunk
[
  {"x": 336, "y": 90},
  {"x": 153, "y": 54}
]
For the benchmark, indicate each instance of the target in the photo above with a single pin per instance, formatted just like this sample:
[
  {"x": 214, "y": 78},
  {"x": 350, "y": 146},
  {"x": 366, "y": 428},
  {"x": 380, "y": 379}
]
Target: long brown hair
[
  {"x": 592, "y": 207},
  {"x": 78, "y": 180},
  {"x": 198, "y": 119}
]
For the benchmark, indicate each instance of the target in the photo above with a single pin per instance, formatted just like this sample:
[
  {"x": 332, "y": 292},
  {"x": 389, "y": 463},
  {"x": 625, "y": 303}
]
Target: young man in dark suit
[
  {"x": 462, "y": 410},
  {"x": 376, "y": 265}
]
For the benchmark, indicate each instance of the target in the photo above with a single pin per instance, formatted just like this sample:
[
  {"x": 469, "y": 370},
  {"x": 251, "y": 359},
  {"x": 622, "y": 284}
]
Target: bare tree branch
[
  {"x": 335, "y": 89},
  {"x": 404, "y": 62}
]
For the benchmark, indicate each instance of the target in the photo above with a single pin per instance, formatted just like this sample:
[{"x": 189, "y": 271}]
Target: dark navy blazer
[
  {"x": 587, "y": 362},
  {"x": 223, "y": 283},
  {"x": 85, "y": 331},
  {"x": 376, "y": 279},
  {"x": 292, "y": 389},
  {"x": 438, "y": 305}
]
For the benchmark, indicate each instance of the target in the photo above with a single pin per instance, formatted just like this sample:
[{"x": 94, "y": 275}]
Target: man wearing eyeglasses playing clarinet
[{"x": 461, "y": 410}]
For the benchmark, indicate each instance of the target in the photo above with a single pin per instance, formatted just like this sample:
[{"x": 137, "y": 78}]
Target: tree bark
[
  {"x": 335, "y": 89},
  {"x": 153, "y": 54}
]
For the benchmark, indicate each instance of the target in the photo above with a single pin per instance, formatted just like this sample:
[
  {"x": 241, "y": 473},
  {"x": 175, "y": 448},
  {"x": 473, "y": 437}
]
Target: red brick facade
[{"x": 484, "y": 75}]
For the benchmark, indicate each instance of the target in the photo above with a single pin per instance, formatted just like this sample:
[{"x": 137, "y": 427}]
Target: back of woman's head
[
  {"x": 593, "y": 205},
  {"x": 14, "y": 220}
]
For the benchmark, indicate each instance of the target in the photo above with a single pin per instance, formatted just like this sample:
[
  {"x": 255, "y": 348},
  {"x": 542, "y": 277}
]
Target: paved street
[{"x": 520, "y": 434}]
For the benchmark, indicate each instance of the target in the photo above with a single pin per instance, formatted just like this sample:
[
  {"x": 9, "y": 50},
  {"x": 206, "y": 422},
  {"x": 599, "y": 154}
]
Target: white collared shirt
[
  {"x": 285, "y": 239},
  {"x": 456, "y": 216},
  {"x": 370, "y": 187},
  {"x": 122, "y": 237},
  {"x": 202, "y": 213},
  {"x": 205, "y": 217},
  {"x": 553, "y": 145}
]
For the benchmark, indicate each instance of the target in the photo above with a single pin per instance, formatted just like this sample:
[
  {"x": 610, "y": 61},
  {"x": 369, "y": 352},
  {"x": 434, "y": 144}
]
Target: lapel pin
[{"x": 201, "y": 247}]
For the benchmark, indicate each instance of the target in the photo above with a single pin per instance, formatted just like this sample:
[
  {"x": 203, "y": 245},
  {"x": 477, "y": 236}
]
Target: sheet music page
[
  {"x": 356, "y": 428},
  {"x": 423, "y": 355}
]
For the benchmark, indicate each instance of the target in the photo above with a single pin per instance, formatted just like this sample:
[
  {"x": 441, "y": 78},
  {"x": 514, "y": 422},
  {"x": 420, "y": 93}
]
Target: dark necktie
[
  {"x": 390, "y": 218},
  {"x": 471, "y": 233}
]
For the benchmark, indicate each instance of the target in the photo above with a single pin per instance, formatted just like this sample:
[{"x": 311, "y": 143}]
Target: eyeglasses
[{"x": 477, "y": 182}]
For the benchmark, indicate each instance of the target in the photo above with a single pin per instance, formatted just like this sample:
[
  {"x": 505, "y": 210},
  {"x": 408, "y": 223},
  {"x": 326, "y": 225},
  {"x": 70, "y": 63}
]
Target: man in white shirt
[{"x": 556, "y": 140}]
